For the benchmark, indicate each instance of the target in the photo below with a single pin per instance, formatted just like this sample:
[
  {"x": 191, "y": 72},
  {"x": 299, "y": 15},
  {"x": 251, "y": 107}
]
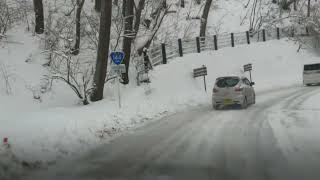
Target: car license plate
[{"x": 227, "y": 102}]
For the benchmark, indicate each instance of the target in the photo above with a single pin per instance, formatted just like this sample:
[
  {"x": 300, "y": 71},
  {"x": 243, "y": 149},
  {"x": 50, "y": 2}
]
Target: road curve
[{"x": 200, "y": 143}]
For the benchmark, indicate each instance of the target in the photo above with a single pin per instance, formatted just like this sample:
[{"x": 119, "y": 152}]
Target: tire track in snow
[{"x": 303, "y": 163}]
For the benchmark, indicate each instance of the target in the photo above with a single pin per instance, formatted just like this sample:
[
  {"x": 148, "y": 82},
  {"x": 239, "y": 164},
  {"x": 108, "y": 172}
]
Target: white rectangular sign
[
  {"x": 121, "y": 68},
  {"x": 247, "y": 67}
]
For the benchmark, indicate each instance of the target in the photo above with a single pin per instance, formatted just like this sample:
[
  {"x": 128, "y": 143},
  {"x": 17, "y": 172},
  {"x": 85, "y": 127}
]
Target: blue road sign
[{"x": 117, "y": 57}]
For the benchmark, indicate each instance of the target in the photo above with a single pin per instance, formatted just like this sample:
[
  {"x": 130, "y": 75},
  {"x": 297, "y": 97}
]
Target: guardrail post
[
  {"x": 264, "y": 35},
  {"x": 278, "y": 33},
  {"x": 232, "y": 40},
  {"x": 292, "y": 32},
  {"x": 146, "y": 61},
  {"x": 182, "y": 3},
  {"x": 215, "y": 41},
  {"x": 198, "y": 44},
  {"x": 180, "y": 47},
  {"x": 164, "y": 54},
  {"x": 248, "y": 37}
]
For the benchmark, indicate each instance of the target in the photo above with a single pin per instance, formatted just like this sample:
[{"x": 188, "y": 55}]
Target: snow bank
[{"x": 9, "y": 165}]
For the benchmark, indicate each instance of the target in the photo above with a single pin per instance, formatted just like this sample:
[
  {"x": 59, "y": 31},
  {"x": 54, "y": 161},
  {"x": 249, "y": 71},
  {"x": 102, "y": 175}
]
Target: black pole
[
  {"x": 248, "y": 37},
  {"x": 198, "y": 45},
  {"x": 215, "y": 40},
  {"x": 205, "y": 83},
  {"x": 232, "y": 40},
  {"x": 180, "y": 47},
  {"x": 307, "y": 31},
  {"x": 164, "y": 54},
  {"x": 250, "y": 77},
  {"x": 278, "y": 33},
  {"x": 146, "y": 61},
  {"x": 264, "y": 35}
]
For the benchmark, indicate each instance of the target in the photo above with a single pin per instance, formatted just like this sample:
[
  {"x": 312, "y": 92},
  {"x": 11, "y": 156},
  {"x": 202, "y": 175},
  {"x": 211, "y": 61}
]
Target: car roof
[
  {"x": 240, "y": 77},
  {"x": 312, "y": 64}
]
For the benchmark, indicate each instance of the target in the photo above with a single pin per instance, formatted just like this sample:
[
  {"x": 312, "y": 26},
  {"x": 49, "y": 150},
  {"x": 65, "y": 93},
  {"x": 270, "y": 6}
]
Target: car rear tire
[
  {"x": 254, "y": 99},
  {"x": 244, "y": 104}
]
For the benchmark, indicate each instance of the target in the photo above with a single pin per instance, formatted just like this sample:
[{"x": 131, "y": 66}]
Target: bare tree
[
  {"x": 204, "y": 18},
  {"x": 308, "y": 14},
  {"x": 76, "y": 48},
  {"x": 38, "y": 9},
  {"x": 97, "y": 5},
  {"x": 116, "y": 2},
  {"x": 103, "y": 50},
  {"x": 157, "y": 19},
  {"x": 5, "y": 18},
  {"x": 138, "y": 11},
  {"x": 128, "y": 36}
]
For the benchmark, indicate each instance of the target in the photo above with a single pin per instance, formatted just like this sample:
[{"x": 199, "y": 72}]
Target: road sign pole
[
  {"x": 205, "y": 84},
  {"x": 250, "y": 77},
  {"x": 119, "y": 94}
]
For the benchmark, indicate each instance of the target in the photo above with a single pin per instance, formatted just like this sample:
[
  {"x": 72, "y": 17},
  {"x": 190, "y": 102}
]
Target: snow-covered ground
[
  {"x": 201, "y": 143},
  {"x": 56, "y": 125}
]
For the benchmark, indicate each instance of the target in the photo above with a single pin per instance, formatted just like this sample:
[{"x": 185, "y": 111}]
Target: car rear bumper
[
  {"x": 311, "y": 79},
  {"x": 221, "y": 100}
]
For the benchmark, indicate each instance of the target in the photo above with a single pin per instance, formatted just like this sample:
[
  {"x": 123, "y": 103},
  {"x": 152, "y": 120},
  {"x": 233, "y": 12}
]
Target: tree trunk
[
  {"x": 76, "y": 48},
  {"x": 103, "y": 50},
  {"x": 295, "y": 5},
  {"x": 285, "y": 4},
  {"x": 204, "y": 18},
  {"x": 128, "y": 35},
  {"x": 97, "y": 5},
  {"x": 308, "y": 15},
  {"x": 38, "y": 9},
  {"x": 138, "y": 15}
]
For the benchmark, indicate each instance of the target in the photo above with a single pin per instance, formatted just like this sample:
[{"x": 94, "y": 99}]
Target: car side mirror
[{"x": 252, "y": 83}]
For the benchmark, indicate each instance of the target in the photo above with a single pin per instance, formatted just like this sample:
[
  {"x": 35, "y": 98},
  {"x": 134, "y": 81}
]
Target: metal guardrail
[{"x": 160, "y": 54}]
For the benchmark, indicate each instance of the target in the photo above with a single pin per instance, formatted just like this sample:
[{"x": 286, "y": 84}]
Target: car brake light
[
  {"x": 238, "y": 89},
  {"x": 215, "y": 90}
]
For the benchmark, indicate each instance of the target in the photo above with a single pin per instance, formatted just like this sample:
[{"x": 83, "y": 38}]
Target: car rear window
[
  {"x": 312, "y": 67},
  {"x": 227, "y": 82}
]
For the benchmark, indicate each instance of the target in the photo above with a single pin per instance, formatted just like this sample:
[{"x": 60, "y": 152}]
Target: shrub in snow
[
  {"x": 10, "y": 167},
  {"x": 5, "y": 78}
]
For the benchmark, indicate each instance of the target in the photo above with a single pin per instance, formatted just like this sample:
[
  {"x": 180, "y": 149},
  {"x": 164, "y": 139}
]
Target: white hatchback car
[
  {"x": 311, "y": 74},
  {"x": 233, "y": 90}
]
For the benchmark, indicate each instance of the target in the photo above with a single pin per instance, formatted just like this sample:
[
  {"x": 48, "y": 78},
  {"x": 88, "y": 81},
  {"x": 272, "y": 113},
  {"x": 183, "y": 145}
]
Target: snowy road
[{"x": 206, "y": 144}]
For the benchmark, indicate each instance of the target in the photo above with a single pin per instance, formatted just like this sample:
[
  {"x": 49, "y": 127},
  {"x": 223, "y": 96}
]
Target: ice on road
[{"x": 202, "y": 143}]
